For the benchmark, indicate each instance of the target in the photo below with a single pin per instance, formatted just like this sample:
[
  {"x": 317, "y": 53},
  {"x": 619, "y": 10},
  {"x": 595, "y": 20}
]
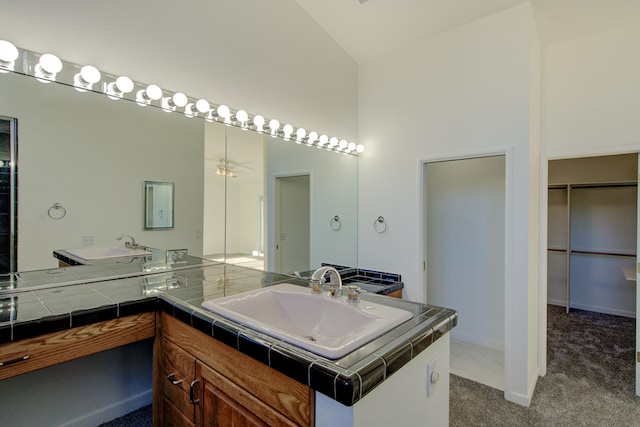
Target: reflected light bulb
[
  {"x": 333, "y": 141},
  {"x": 351, "y": 146},
  {"x": 359, "y": 148},
  {"x": 8, "y": 55},
  {"x": 312, "y": 137},
  {"x": 300, "y": 134},
  {"x": 241, "y": 116},
  {"x": 153, "y": 92},
  {"x": 225, "y": 113},
  {"x": 287, "y": 130},
  {"x": 343, "y": 144},
  {"x": 274, "y": 125},
  {"x": 258, "y": 122},
  {"x": 323, "y": 140},
  {"x": 202, "y": 105},
  {"x": 179, "y": 99}
]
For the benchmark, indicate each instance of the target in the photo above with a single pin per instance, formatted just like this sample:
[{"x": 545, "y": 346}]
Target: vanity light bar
[{"x": 48, "y": 68}]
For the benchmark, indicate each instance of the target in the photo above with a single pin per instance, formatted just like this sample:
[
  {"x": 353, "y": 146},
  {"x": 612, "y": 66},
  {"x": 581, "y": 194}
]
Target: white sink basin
[
  {"x": 93, "y": 253},
  {"x": 330, "y": 327}
]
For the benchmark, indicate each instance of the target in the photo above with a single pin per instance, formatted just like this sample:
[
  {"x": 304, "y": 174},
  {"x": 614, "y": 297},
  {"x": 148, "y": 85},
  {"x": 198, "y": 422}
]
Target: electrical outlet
[
  {"x": 433, "y": 377},
  {"x": 88, "y": 240}
]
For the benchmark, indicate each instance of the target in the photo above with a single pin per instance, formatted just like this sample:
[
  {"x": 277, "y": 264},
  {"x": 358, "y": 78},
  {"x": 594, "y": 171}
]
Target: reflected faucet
[
  {"x": 131, "y": 244},
  {"x": 317, "y": 278}
]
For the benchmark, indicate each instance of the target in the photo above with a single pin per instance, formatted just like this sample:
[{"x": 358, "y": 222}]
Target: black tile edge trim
[
  {"x": 421, "y": 341},
  {"x": 397, "y": 358},
  {"x": 371, "y": 374},
  {"x": 5, "y": 333},
  {"x": 226, "y": 334},
  {"x": 321, "y": 379},
  {"x": 44, "y": 325},
  {"x": 201, "y": 323},
  {"x": 254, "y": 348},
  {"x": 129, "y": 308},
  {"x": 182, "y": 312},
  {"x": 290, "y": 364},
  {"x": 346, "y": 388},
  {"x": 93, "y": 315}
]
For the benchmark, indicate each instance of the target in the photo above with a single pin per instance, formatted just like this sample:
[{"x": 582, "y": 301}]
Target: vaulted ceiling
[{"x": 367, "y": 29}]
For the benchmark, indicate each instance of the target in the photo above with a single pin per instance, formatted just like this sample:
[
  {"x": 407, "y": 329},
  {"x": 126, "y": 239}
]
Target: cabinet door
[{"x": 224, "y": 403}]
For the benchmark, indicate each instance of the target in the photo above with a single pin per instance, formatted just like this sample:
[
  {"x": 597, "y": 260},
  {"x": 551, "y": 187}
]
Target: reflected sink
[
  {"x": 93, "y": 253},
  {"x": 330, "y": 327}
]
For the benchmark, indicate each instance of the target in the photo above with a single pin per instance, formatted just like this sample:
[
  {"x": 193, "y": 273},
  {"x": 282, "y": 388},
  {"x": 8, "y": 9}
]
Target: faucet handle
[
  {"x": 316, "y": 285},
  {"x": 353, "y": 293}
]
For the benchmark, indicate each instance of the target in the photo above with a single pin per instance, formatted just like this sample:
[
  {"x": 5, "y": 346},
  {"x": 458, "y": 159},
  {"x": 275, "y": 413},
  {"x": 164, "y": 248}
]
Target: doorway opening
[
  {"x": 8, "y": 194},
  {"x": 592, "y": 241},
  {"x": 292, "y": 224},
  {"x": 464, "y": 225}
]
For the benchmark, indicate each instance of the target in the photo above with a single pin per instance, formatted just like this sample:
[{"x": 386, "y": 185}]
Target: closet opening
[
  {"x": 591, "y": 266},
  {"x": 464, "y": 242}
]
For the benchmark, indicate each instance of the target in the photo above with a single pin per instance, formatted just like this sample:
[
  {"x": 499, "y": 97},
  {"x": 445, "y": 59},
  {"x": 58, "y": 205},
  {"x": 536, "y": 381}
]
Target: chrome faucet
[
  {"x": 131, "y": 244},
  {"x": 335, "y": 282}
]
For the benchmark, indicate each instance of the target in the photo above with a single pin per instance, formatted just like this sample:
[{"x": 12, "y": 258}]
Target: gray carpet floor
[{"x": 590, "y": 381}]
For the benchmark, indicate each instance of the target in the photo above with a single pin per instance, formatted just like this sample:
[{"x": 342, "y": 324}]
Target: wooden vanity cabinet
[{"x": 227, "y": 387}]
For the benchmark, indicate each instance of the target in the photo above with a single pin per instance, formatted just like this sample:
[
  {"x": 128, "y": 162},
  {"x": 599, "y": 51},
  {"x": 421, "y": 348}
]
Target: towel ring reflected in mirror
[
  {"x": 335, "y": 223},
  {"x": 57, "y": 211},
  {"x": 380, "y": 225}
]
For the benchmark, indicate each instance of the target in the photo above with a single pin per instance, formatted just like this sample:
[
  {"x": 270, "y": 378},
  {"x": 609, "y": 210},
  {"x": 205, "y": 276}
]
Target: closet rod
[
  {"x": 578, "y": 251},
  {"x": 593, "y": 185}
]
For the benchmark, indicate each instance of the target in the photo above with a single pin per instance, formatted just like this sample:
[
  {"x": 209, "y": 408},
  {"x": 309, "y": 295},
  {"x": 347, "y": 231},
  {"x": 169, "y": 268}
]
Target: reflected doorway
[
  {"x": 292, "y": 224},
  {"x": 8, "y": 194}
]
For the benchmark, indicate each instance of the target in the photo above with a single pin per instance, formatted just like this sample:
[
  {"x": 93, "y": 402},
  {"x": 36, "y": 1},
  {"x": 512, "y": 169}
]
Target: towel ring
[
  {"x": 335, "y": 223},
  {"x": 57, "y": 211},
  {"x": 380, "y": 228}
]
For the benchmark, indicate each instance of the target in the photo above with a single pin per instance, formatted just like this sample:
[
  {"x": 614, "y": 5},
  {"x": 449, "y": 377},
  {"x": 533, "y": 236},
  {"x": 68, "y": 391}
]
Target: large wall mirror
[{"x": 240, "y": 196}]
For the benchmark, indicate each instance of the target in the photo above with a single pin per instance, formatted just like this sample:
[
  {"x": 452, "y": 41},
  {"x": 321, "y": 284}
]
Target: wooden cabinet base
[{"x": 58, "y": 347}]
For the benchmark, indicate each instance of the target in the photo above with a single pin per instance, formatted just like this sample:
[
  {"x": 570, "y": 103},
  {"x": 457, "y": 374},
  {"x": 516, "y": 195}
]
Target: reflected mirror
[
  {"x": 158, "y": 205},
  {"x": 90, "y": 153}
]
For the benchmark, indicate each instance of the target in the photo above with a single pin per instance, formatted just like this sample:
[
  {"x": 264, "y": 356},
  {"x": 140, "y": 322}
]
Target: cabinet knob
[{"x": 172, "y": 378}]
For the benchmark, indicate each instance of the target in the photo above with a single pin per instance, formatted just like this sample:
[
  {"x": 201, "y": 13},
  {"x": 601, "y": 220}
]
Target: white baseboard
[
  {"x": 595, "y": 308},
  {"x": 112, "y": 411}
]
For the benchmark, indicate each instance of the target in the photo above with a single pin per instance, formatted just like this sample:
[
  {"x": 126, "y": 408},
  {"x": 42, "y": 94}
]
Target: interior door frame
[
  {"x": 543, "y": 247},
  {"x": 276, "y": 259},
  {"x": 507, "y": 152}
]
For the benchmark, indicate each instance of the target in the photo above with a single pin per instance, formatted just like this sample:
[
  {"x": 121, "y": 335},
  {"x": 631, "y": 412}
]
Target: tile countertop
[{"x": 31, "y": 311}]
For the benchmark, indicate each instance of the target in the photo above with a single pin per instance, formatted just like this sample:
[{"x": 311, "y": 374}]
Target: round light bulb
[
  {"x": 359, "y": 148},
  {"x": 50, "y": 63},
  {"x": 153, "y": 92},
  {"x": 90, "y": 74},
  {"x": 179, "y": 99},
  {"x": 323, "y": 140},
  {"x": 124, "y": 84},
  {"x": 333, "y": 141},
  {"x": 312, "y": 137},
  {"x": 288, "y": 130},
  {"x": 301, "y": 133},
  {"x": 351, "y": 146},
  {"x": 8, "y": 52},
  {"x": 223, "y": 111},
  {"x": 242, "y": 116},
  {"x": 274, "y": 125},
  {"x": 258, "y": 121},
  {"x": 343, "y": 144},
  {"x": 202, "y": 105}
]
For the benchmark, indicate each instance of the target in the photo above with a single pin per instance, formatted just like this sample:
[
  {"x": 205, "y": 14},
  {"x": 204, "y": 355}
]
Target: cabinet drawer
[
  {"x": 173, "y": 417},
  {"x": 178, "y": 372},
  {"x": 46, "y": 350}
]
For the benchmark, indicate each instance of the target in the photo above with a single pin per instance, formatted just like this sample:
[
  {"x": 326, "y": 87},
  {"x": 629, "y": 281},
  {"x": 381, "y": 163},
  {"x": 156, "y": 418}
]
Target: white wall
[
  {"x": 334, "y": 191},
  {"x": 467, "y": 92},
  {"x": 268, "y": 58},
  {"x": 92, "y": 155}
]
